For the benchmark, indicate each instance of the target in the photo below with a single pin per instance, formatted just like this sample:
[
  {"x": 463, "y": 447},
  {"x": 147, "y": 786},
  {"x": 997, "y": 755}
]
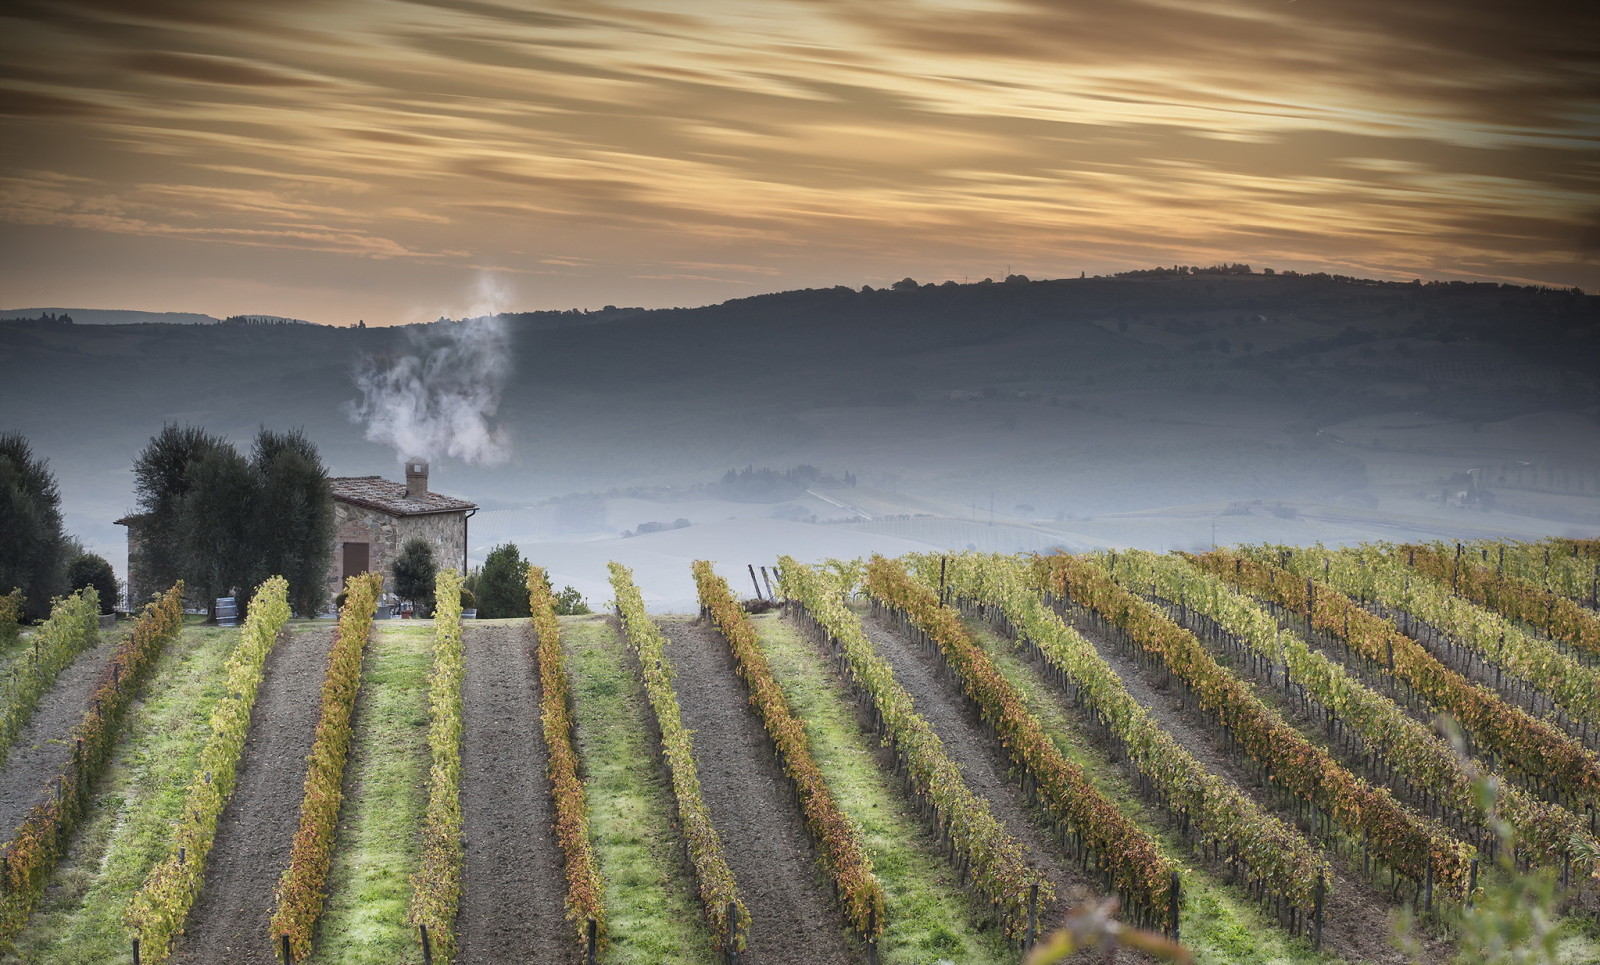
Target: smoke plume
[{"x": 440, "y": 398}]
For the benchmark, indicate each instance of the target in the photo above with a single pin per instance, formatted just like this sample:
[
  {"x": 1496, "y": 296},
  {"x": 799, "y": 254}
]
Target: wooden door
[{"x": 357, "y": 559}]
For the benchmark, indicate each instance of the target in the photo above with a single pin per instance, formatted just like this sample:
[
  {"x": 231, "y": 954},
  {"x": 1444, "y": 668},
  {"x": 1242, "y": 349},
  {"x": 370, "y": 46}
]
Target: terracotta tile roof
[{"x": 375, "y": 492}]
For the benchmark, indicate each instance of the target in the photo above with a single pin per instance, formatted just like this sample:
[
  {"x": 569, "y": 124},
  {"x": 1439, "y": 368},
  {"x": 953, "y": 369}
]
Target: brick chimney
[{"x": 416, "y": 478}]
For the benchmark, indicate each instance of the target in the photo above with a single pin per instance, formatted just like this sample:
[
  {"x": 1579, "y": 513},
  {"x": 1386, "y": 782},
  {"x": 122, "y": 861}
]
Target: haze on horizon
[{"x": 371, "y": 158}]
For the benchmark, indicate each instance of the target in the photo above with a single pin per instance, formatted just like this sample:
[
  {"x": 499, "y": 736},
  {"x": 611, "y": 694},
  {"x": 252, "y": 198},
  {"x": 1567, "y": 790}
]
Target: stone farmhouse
[{"x": 373, "y": 519}]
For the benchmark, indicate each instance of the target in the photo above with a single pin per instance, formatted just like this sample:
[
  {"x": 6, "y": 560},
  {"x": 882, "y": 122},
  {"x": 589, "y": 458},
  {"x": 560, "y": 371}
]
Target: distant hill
[
  {"x": 122, "y": 316},
  {"x": 111, "y": 316},
  {"x": 1019, "y": 402}
]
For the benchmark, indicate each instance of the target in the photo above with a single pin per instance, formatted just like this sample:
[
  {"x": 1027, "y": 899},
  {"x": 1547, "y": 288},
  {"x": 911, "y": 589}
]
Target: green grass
[
  {"x": 79, "y": 921},
  {"x": 928, "y": 917},
  {"x": 652, "y": 911},
  {"x": 377, "y": 847},
  {"x": 1217, "y": 923}
]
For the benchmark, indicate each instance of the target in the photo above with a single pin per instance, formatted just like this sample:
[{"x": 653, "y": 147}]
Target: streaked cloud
[{"x": 652, "y": 152}]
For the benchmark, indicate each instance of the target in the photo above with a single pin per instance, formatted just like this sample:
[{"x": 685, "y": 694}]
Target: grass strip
[
  {"x": 378, "y": 847},
  {"x": 42, "y": 837},
  {"x": 719, "y": 892},
  {"x": 838, "y": 842},
  {"x": 79, "y": 921},
  {"x": 436, "y": 886},
  {"x": 156, "y": 914},
  {"x": 927, "y": 915},
  {"x": 649, "y": 903},
  {"x": 73, "y": 627},
  {"x": 585, "y": 902},
  {"x": 299, "y": 895}
]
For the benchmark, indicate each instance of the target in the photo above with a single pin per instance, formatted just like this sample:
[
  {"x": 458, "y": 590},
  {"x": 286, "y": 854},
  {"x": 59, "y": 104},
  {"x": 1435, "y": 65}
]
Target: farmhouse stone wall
[{"x": 385, "y": 534}]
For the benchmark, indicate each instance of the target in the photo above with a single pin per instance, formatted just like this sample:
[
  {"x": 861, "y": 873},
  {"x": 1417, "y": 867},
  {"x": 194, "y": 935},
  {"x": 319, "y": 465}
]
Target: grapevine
[
  {"x": 1280, "y": 864},
  {"x": 838, "y": 842},
  {"x": 1413, "y": 753},
  {"x": 1549, "y": 762},
  {"x": 41, "y": 839},
  {"x": 1373, "y": 573},
  {"x": 1562, "y": 619},
  {"x": 988, "y": 853},
  {"x": 158, "y": 910},
  {"x": 719, "y": 892},
  {"x": 299, "y": 895},
  {"x": 1409, "y": 845},
  {"x": 72, "y": 628},
  {"x": 584, "y": 901},
  {"x": 436, "y": 885}
]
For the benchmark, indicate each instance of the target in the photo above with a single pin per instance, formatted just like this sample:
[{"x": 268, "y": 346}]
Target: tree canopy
[
  {"x": 413, "y": 571},
  {"x": 33, "y": 546},
  {"x": 90, "y": 569},
  {"x": 223, "y": 523},
  {"x": 502, "y": 586},
  {"x": 295, "y": 520}
]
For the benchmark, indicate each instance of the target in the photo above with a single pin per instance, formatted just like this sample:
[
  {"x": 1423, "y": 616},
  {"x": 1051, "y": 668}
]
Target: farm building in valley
[{"x": 373, "y": 519}]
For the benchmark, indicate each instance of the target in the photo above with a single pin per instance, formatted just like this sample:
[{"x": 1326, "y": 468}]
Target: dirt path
[
  {"x": 229, "y": 921},
  {"x": 514, "y": 889},
  {"x": 766, "y": 842},
  {"x": 1356, "y": 914},
  {"x": 940, "y": 701},
  {"x": 42, "y": 749}
]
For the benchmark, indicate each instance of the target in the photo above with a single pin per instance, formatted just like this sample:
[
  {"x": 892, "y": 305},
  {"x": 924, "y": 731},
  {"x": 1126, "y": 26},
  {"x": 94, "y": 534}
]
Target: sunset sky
[{"x": 395, "y": 161}]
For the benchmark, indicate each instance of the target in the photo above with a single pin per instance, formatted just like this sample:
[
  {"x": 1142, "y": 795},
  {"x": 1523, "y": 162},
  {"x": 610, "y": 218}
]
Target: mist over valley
[{"x": 1157, "y": 409}]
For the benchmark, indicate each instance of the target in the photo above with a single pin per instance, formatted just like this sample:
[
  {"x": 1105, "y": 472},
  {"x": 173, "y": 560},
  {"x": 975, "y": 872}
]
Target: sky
[{"x": 397, "y": 160}]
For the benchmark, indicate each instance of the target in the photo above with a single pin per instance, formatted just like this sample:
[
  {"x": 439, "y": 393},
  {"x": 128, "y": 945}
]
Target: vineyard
[{"x": 1384, "y": 753}]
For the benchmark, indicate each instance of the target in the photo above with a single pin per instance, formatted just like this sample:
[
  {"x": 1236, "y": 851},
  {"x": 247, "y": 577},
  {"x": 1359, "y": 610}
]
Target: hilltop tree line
[
  {"x": 38, "y": 560},
  {"x": 222, "y": 522}
]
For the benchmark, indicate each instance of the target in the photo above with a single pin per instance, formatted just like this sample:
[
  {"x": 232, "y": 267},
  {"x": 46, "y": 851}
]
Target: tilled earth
[
  {"x": 230, "y": 921},
  {"x": 941, "y": 702},
  {"x": 44, "y": 748},
  {"x": 792, "y": 917},
  {"x": 513, "y": 887}
]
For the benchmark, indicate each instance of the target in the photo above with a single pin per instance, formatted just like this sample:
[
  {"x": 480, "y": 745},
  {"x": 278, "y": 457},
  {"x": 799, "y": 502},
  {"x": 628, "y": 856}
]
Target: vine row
[
  {"x": 436, "y": 884},
  {"x": 72, "y": 628},
  {"x": 10, "y": 617},
  {"x": 41, "y": 839},
  {"x": 585, "y": 902},
  {"x": 1281, "y": 868},
  {"x": 988, "y": 858},
  {"x": 1560, "y": 618},
  {"x": 1392, "y": 745},
  {"x": 1410, "y": 846},
  {"x": 719, "y": 892},
  {"x": 1568, "y": 567},
  {"x": 1553, "y": 766},
  {"x": 299, "y": 894},
  {"x": 839, "y": 848},
  {"x": 1473, "y": 638},
  {"x": 158, "y": 909}
]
